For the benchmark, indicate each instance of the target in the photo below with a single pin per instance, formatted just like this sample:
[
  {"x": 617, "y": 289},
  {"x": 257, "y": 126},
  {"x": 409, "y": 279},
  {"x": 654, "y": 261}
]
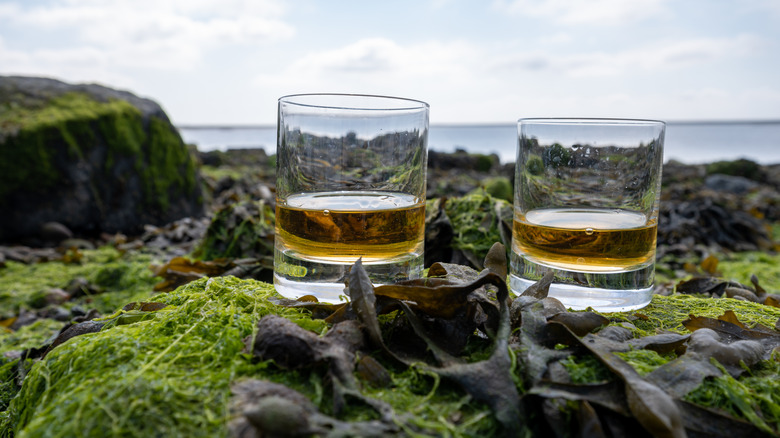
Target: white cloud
[
  {"x": 379, "y": 63},
  {"x": 591, "y": 12},
  {"x": 663, "y": 55},
  {"x": 157, "y": 34}
]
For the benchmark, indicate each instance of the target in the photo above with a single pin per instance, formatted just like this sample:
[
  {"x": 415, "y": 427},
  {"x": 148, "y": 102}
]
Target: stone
[
  {"x": 55, "y": 232},
  {"x": 91, "y": 158},
  {"x": 739, "y": 185}
]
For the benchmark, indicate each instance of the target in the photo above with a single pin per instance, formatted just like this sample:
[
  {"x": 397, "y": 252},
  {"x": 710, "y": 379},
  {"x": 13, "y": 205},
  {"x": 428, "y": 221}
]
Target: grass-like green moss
[
  {"x": 169, "y": 168},
  {"x": 742, "y": 265},
  {"x": 123, "y": 278},
  {"x": 668, "y": 313},
  {"x": 475, "y": 221},
  {"x": 754, "y": 397},
  {"x": 170, "y": 375},
  {"x": 67, "y": 127}
]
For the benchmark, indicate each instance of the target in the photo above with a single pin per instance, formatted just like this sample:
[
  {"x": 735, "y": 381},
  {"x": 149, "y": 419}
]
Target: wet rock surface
[{"x": 91, "y": 158}]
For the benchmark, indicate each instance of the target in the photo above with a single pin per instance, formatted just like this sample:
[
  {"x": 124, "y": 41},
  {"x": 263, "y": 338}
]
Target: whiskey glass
[
  {"x": 586, "y": 203},
  {"x": 350, "y": 184}
]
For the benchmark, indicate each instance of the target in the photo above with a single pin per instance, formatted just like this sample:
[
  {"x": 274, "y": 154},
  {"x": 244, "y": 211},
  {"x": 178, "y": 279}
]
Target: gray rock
[
  {"x": 55, "y": 232},
  {"x": 733, "y": 184},
  {"x": 91, "y": 158}
]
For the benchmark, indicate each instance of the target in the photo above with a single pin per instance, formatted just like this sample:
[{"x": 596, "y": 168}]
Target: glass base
[
  {"x": 295, "y": 277},
  {"x": 604, "y": 292}
]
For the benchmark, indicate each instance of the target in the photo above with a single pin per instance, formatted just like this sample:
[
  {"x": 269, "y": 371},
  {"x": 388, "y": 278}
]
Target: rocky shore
[
  {"x": 162, "y": 321},
  {"x": 723, "y": 206}
]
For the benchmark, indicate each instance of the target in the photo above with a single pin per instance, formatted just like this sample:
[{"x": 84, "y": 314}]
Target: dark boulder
[
  {"x": 91, "y": 158},
  {"x": 739, "y": 185}
]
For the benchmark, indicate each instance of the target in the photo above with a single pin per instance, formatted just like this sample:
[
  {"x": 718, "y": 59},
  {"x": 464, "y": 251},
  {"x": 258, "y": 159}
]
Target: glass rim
[
  {"x": 341, "y": 101},
  {"x": 589, "y": 121}
]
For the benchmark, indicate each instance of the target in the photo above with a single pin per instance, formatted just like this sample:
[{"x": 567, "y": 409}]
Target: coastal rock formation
[{"x": 91, "y": 158}]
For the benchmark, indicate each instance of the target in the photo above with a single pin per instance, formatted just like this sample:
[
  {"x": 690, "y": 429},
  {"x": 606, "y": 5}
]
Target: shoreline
[
  {"x": 686, "y": 141},
  {"x": 482, "y": 124}
]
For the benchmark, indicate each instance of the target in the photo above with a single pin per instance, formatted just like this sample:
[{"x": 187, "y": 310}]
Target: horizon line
[{"x": 487, "y": 124}]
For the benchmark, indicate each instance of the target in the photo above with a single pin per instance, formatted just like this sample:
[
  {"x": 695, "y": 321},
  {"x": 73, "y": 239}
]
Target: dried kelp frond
[
  {"x": 706, "y": 343},
  {"x": 262, "y": 408},
  {"x": 129, "y": 314},
  {"x": 708, "y": 285},
  {"x": 488, "y": 381},
  {"x": 251, "y": 415},
  {"x": 730, "y": 342},
  {"x": 581, "y": 323},
  {"x": 181, "y": 270},
  {"x": 705, "y": 422},
  {"x": 652, "y": 407},
  {"x": 72, "y": 331},
  {"x": 533, "y": 343},
  {"x": 682, "y": 375},
  {"x": 607, "y": 394},
  {"x": 290, "y": 346},
  {"x": 728, "y": 326},
  {"x": 438, "y": 233}
]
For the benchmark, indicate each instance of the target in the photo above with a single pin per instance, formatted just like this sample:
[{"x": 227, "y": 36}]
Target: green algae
[
  {"x": 586, "y": 369},
  {"x": 170, "y": 168},
  {"x": 755, "y": 398},
  {"x": 8, "y": 387},
  {"x": 33, "y": 139},
  {"x": 667, "y": 313},
  {"x": 644, "y": 361},
  {"x": 499, "y": 187},
  {"x": 28, "y": 156},
  {"x": 476, "y": 223},
  {"x": 741, "y": 167},
  {"x": 239, "y": 230},
  {"x": 164, "y": 376},
  {"x": 741, "y": 266},
  {"x": 169, "y": 375},
  {"x": 218, "y": 172},
  {"x": 29, "y": 336},
  {"x": 123, "y": 278}
]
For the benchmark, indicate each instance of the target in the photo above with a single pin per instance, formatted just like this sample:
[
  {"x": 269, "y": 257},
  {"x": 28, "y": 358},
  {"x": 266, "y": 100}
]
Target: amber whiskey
[
  {"x": 585, "y": 240},
  {"x": 339, "y": 227}
]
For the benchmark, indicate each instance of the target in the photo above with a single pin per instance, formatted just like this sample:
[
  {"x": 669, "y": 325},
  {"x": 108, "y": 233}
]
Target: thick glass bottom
[
  {"x": 295, "y": 277},
  {"x": 604, "y": 292}
]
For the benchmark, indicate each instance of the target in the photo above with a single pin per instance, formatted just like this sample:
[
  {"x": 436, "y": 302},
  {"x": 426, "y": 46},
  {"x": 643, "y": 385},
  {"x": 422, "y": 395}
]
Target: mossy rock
[
  {"x": 92, "y": 158},
  {"x": 499, "y": 187},
  {"x": 742, "y": 167}
]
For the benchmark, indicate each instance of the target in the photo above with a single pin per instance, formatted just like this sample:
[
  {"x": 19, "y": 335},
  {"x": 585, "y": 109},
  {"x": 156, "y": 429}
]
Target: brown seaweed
[
  {"x": 437, "y": 314},
  {"x": 653, "y": 408},
  {"x": 262, "y": 408},
  {"x": 488, "y": 381}
]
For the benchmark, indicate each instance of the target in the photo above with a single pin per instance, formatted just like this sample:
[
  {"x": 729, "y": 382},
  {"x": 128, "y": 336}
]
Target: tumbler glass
[
  {"x": 586, "y": 208},
  {"x": 350, "y": 184}
]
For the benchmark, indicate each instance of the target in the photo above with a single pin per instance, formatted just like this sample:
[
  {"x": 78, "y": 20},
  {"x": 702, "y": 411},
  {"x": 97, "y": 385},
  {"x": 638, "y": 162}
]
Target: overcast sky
[{"x": 228, "y": 61}]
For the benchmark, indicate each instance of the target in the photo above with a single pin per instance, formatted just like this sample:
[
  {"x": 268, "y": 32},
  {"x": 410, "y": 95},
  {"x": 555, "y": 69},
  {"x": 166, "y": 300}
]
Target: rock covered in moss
[
  {"x": 244, "y": 229},
  {"x": 92, "y": 158}
]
